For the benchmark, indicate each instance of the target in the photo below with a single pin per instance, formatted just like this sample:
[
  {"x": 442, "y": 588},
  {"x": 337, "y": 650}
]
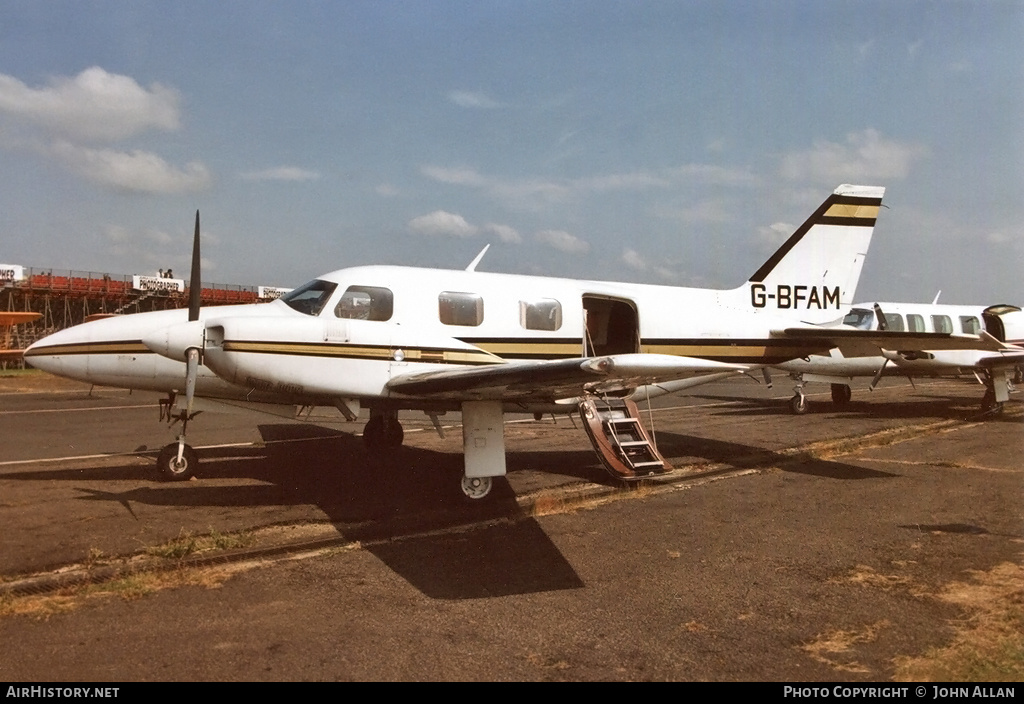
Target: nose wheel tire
[
  {"x": 798, "y": 404},
  {"x": 174, "y": 470},
  {"x": 476, "y": 488}
]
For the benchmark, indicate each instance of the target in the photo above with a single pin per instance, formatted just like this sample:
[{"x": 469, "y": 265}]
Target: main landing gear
[
  {"x": 841, "y": 395},
  {"x": 483, "y": 443},
  {"x": 383, "y": 431}
]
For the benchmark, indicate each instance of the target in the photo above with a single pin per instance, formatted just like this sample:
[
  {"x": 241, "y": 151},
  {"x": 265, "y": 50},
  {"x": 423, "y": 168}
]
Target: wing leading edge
[{"x": 553, "y": 380}]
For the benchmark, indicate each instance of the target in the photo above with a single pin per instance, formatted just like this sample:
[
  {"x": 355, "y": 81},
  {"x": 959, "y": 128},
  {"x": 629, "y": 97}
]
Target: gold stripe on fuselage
[{"x": 118, "y": 347}]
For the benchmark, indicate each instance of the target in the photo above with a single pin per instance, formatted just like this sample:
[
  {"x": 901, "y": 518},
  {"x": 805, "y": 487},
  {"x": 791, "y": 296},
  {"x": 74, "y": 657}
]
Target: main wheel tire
[
  {"x": 393, "y": 433},
  {"x": 989, "y": 403},
  {"x": 841, "y": 394},
  {"x": 171, "y": 469},
  {"x": 476, "y": 488}
]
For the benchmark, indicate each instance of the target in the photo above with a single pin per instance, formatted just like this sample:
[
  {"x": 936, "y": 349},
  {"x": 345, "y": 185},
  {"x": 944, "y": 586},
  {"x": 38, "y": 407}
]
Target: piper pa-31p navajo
[
  {"x": 998, "y": 358},
  {"x": 388, "y": 338}
]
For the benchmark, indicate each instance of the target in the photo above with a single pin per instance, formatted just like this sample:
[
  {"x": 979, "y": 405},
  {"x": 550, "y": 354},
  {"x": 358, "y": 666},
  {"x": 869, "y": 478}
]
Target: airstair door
[{"x": 611, "y": 326}]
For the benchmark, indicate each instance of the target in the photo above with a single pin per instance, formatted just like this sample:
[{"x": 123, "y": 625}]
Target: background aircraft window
[
  {"x": 915, "y": 322},
  {"x": 861, "y": 318},
  {"x": 310, "y": 298},
  {"x": 460, "y": 308},
  {"x": 543, "y": 314},
  {"x": 969, "y": 324},
  {"x": 942, "y": 323},
  {"x": 895, "y": 322},
  {"x": 365, "y": 303}
]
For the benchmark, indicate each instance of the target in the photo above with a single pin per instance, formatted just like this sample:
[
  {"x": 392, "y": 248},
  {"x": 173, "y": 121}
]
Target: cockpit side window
[
  {"x": 860, "y": 318},
  {"x": 366, "y": 303},
  {"x": 310, "y": 298}
]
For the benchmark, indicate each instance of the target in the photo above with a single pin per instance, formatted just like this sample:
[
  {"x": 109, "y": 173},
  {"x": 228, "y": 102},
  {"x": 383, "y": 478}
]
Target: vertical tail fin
[{"x": 813, "y": 276}]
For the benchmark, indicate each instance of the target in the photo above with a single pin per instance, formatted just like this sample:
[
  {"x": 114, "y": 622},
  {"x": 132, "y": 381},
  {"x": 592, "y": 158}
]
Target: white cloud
[
  {"x": 562, "y": 241},
  {"x": 386, "y": 190},
  {"x": 506, "y": 234},
  {"x": 442, "y": 223},
  {"x": 92, "y": 106},
  {"x": 470, "y": 99},
  {"x": 865, "y": 155},
  {"x": 534, "y": 193},
  {"x": 632, "y": 259},
  {"x": 772, "y": 236},
  {"x": 281, "y": 173},
  {"x": 137, "y": 171},
  {"x": 459, "y": 176}
]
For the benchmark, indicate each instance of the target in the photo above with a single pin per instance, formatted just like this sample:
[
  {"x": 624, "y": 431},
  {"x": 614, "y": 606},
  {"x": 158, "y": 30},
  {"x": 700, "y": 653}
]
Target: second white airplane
[
  {"x": 995, "y": 363},
  {"x": 386, "y": 338}
]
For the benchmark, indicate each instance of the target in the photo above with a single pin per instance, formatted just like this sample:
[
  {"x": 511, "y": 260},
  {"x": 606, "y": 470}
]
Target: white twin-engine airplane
[
  {"x": 998, "y": 359},
  {"x": 387, "y": 338}
]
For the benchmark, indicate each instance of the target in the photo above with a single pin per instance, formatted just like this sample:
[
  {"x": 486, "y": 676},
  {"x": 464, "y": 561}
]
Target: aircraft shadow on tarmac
[
  {"x": 940, "y": 406},
  {"x": 369, "y": 497},
  {"x": 740, "y": 456}
]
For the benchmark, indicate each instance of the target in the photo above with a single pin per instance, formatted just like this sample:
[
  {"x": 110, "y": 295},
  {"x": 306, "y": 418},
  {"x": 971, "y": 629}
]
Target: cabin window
[
  {"x": 942, "y": 323},
  {"x": 915, "y": 322},
  {"x": 860, "y": 318},
  {"x": 541, "y": 314},
  {"x": 460, "y": 308},
  {"x": 894, "y": 321},
  {"x": 365, "y": 303},
  {"x": 310, "y": 298},
  {"x": 969, "y": 324}
]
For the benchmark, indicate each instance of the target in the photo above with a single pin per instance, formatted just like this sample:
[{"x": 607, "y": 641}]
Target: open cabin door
[
  {"x": 626, "y": 449},
  {"x": 610, "y": 326}
]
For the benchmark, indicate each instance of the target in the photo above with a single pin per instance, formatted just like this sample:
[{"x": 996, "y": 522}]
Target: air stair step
[{"x": 619, "y": 438}]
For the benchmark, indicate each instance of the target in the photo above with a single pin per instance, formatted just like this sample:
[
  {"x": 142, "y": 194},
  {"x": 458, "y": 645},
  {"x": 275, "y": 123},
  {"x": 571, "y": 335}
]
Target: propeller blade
[
  {"x": 195, "y": 286},
  {"x": 879, "y": 315},
  {"x": 878, "y": 376}
]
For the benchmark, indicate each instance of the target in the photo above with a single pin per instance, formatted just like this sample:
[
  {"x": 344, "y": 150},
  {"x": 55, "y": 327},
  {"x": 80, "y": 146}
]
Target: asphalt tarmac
[{"x": 834, "y": 546}]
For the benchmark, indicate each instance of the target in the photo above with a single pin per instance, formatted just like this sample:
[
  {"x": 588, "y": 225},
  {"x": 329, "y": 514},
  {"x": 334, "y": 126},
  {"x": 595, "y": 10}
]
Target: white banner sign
[
  {"x": 271, "y": 292},
  {"x": 11, "y": 272},
  {"x": 156, "y": 283}
]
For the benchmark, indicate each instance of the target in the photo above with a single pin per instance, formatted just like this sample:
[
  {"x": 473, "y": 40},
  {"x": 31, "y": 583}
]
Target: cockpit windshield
[
  {"x": 310, "y": 298},
  {"x": 861, "y": 318}
]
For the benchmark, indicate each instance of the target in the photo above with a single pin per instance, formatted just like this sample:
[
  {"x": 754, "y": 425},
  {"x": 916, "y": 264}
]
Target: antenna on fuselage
[
  {"x": 472, "y": 264},
  {"x": 937, "y": 297}
]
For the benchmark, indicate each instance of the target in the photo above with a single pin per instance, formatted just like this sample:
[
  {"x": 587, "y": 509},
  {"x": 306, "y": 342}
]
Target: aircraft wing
[
  {"x": 1009, "y": 355},
  {"x": 553, "y": 380},
  {"x": 868, "y": 343}
]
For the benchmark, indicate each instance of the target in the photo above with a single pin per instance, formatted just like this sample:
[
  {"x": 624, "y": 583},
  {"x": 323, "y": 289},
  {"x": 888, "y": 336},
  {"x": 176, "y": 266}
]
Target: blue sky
[{"x": 661, "y": 142}]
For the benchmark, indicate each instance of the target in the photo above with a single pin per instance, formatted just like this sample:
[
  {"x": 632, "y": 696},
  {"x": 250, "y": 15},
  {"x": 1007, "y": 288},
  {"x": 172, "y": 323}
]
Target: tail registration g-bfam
[{"x": 385, "y": 338}]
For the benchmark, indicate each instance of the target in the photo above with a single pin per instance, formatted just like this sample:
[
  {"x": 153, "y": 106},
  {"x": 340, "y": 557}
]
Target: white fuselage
[{"x": 273, "y": 352}]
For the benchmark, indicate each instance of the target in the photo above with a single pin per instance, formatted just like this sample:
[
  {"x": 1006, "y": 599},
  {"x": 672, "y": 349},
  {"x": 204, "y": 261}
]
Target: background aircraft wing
[
  {"x": 868, "y": 343},
  {"x": 553, "y": 380}
]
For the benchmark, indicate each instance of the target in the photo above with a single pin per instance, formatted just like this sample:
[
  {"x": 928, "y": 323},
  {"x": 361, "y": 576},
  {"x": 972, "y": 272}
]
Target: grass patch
[
  {"x": 989, "y": 642},
  {"x": 187, "y": 544}
]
